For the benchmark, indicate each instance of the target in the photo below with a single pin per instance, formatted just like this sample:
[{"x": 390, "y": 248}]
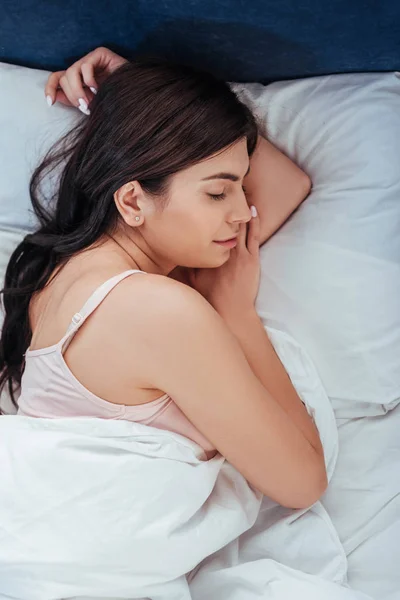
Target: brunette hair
[{"x": 150, "y": 119}]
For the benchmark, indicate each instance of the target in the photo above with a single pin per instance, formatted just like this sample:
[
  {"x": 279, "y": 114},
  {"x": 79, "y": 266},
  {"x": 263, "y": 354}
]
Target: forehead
[{"x": 234, "y": 159}]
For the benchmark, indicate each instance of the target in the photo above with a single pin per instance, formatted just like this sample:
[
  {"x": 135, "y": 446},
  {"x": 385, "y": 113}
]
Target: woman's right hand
[
  {"x": 232, "y": 288},
  {"x": 77, "y": 85}
]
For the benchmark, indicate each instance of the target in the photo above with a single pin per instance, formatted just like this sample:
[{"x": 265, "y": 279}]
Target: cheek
[
  {"x": 188, "y": 224},
  {"x": 176, "y": 235},
  {"x": 194, "y": 227}
]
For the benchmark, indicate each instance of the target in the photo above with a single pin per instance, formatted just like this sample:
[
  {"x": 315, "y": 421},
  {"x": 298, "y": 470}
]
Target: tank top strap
[{"x": 91, "y": 304}]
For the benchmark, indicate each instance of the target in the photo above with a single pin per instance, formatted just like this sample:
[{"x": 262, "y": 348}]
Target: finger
[
  {"x": 253, "y": 238},
  {"x": 65, "y": 86},
  {"x": 104, "y": 59},
  {"x": 87, "y": 69},
  {"x": 75, "y": 82},
  {"x": 241, "y": 238},
  {"x": 51, "y": 86},
  {"x": 61, "y": 97}
]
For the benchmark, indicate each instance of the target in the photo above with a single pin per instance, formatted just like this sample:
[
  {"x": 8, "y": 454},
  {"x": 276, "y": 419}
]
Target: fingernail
[
  {"x": 85, "y": 111},
  {"x": 253, "y": 211},
  {"x": 49, "y": 100},
  {"x": 83, "y": 104},
  {"x": 93, "y": 89}
]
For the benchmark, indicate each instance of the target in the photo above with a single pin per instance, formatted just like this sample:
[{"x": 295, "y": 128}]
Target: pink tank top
[{"x": 50, "y": 390}]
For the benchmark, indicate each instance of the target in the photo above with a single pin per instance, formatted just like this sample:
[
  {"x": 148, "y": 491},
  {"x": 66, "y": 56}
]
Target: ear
[{"x": 129, "y": 200}]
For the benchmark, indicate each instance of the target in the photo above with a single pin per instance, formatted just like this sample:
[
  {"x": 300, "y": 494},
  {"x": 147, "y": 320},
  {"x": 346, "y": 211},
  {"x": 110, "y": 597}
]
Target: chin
[
  {"x": 215, "y": 262},
  {"x": 208, "y": 260}
]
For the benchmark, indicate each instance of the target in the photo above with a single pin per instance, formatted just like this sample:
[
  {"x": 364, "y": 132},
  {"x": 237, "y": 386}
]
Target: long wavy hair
[{"x": 150, "y": 119}]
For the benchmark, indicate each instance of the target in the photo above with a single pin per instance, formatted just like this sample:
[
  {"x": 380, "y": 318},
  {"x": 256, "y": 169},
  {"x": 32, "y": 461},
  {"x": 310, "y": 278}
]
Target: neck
[{"x": 139, "y": 254}]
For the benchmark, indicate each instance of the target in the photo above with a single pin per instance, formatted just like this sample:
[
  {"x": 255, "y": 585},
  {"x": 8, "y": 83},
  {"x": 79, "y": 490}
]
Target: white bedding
[
  {"x": 111, "y": 509},
  {"x": 331, "y": 280},
  {"x": 363, "y": 501}
]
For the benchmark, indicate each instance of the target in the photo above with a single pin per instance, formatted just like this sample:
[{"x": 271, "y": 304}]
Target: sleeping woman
[{"x": 135, "y": 297}]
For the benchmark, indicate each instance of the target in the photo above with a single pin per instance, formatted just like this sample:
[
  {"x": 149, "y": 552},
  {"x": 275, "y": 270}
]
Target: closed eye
[
  {"x": 217, "y": 196},
  {"x": 223, "y": 195}
]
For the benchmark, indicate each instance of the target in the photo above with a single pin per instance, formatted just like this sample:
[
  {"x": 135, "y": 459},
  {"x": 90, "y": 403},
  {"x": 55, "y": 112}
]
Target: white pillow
[
  {"x": 28, "y": 128},
  {"x": 331, "y": 275},
  {"x": 9, "y": 240}
]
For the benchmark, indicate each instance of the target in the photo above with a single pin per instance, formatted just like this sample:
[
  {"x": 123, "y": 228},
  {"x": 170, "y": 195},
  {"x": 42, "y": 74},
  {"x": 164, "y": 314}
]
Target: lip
[
  {"x": 229, "y": 239},
  {"x": 231, "y": 243}
]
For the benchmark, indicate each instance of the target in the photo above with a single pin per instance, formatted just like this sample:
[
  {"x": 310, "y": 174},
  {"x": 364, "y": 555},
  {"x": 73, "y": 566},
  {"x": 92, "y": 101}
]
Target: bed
[{"x": 324, "y": 83}]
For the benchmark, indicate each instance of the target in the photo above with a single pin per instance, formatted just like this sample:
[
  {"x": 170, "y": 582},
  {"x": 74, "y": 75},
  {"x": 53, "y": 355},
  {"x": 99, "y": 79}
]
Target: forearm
[
  {"x": 275, "y": 185},
  {"x": 267, "y": 367}
]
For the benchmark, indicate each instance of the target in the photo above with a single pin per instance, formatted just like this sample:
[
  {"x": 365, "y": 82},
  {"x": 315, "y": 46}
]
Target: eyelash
[{"x": 222, "y": 196}]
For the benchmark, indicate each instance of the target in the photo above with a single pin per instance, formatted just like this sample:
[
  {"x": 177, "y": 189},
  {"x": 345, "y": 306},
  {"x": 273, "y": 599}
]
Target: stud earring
[{"x": 137, "y": 218}]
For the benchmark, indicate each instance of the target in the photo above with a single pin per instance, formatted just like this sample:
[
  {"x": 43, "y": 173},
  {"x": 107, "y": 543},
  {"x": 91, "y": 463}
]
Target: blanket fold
[{"x": 92, "y": 509}]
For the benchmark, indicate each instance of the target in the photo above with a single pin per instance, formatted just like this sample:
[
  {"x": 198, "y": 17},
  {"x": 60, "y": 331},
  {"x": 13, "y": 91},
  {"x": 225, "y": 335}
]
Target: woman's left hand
[{"x": 77, "y": 85}]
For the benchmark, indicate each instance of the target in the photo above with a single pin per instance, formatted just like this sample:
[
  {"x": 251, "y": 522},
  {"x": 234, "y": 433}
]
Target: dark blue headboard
[{"x": 238, "y": 40}]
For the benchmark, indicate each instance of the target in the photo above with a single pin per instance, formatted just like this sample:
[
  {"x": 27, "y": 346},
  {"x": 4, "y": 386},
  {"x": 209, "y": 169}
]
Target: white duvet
[
  {"x": 92, "y": 509},
  {"x": 116, "y": 510}
]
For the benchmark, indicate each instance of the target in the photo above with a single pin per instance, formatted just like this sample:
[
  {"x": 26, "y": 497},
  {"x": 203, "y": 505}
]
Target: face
[{"x": 206, "y": 204}]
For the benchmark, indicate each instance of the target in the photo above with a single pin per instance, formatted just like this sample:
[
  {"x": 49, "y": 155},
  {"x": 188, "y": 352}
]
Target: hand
[
  {"x": 82, "y": 79},
  {"x": 232, "y": 288}
]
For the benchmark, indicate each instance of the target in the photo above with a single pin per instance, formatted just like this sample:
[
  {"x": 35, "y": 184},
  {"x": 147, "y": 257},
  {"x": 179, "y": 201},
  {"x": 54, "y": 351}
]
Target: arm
[
  {"x": 188, "y": 351},
  {"x": 275, "y": 185},
  {"x": 266, "y": 365}
]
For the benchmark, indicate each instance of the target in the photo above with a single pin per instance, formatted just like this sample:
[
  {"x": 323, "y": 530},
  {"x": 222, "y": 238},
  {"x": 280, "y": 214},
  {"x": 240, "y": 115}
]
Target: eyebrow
[{"x": 229, "y": 176}]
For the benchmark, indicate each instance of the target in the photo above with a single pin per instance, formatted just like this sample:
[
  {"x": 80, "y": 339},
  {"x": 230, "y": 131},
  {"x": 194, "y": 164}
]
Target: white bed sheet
[
  {"x": 363, "y": 501},
  {"x": 352, "y": 154},
  {"x": 331, "y": 279},
  {"x": 96, "y": 508}
]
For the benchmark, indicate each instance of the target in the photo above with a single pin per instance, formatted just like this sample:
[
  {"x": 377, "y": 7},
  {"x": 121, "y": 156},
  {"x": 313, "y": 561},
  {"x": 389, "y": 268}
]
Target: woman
[{"x": 153, "y": 187}]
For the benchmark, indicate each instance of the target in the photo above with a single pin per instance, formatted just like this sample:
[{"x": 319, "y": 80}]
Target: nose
[{"x": 241, "y": 212}]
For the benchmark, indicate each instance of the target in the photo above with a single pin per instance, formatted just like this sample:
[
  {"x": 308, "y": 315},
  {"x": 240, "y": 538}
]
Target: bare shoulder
[
  {"x": 179, "y": 344},
  {"x": 153, "y": 309},
  {"x": 157, "y": 296},
  {"x": 160, "y": 316}
]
